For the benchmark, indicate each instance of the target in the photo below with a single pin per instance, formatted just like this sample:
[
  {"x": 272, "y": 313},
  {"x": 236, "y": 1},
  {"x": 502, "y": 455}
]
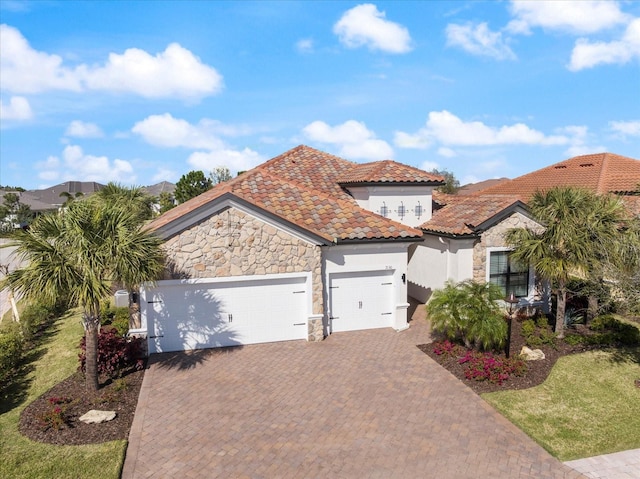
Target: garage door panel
[
  {"x": 361, "y": 300},
  {"x": 214, "y": 314}
]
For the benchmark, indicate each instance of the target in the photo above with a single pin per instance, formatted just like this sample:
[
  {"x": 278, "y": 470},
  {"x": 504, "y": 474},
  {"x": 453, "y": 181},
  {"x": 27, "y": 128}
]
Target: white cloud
[
  {"x": 579, "y": 140},
  {"x": 232, "y": 159},
  {"x": 408, "y": 140},
  {"x": 588, "y": 54},
  {"x": 567, "y": 16},
  {"x": 352, "y": 137},
  {"x": 365, "y": 25},
  {"x": 304, "y": 45},
  {"x": 169, "y": 132},
  {"x": 479, "y": 40},
  {"x": 429, "y": 165},
  {"x": 626, "y": 128},
  {"x": 446, "y": 152},
  {"x": 81, "y": 129},
  {"x": 77, "y": 165},
  {"x": 18, "y": 108},
  {"x": 175, "y": 72},
  {"x": 447, "y": 129},
  {"x": 165, "y": 174}
]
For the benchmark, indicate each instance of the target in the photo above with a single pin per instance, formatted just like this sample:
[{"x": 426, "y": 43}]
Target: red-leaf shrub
[
  {"x": 487, "y": 367},
  {"x": 115, "y": 353}
]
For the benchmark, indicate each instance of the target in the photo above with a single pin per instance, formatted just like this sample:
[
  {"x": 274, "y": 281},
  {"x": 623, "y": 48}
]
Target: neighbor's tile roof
[
  {"x": 300, "y": 187},
  {"x": 461, "y": 215},
  {"x": 602, "y": 173},
  {"x": 388, "y": 171}
]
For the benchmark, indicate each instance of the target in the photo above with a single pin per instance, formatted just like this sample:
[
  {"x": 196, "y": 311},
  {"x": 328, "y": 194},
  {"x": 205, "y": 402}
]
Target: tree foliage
[
  {"x": 470, "y": 312},
  {"x": 219, "y": 174},
  {"x": 13, "y": 213},
  {"x": 166, "y": 202},
  {"x": 451, "y": 185},
  {"x": 191, "y": 185},
  {"x": 78, "y": 253},
  {"x": 581, "y": 229},
  {"x": 133, "y": 198}
]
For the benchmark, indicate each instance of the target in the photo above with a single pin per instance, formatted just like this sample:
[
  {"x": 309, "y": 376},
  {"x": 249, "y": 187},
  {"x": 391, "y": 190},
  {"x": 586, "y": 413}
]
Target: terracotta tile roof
[
  {"x": 299, "y": 187},
  {"x": 632, "y": 203},
  {"x": 388, "y": 171},
  {"x": 462, "y": 215},
  {"x": 602, "y": 173},
  {"x": 472, "y": 188}
]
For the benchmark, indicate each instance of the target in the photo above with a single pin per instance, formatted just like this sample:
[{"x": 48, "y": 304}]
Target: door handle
[{"x": 359, "y": 304}]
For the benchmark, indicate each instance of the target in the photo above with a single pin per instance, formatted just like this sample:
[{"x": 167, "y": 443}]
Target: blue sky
[{"x": 140, "y": 92}]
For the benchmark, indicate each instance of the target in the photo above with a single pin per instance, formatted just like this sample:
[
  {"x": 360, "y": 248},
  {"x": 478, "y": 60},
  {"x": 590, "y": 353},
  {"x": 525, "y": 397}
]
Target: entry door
[{"x": 361, "y": 300}]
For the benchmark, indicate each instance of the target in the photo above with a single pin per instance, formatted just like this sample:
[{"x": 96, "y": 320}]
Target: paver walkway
[{"x": 365, "y": 404}]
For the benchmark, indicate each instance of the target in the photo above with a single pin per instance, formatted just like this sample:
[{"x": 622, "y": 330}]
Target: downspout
[{"x": 447, "y": 243}]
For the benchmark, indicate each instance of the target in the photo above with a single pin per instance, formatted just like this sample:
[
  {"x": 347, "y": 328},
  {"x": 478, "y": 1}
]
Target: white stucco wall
[
  {"x": 372, "y": 257},
  {"x": 372, "y": 198},
  {"x": 436, "y": 260}
]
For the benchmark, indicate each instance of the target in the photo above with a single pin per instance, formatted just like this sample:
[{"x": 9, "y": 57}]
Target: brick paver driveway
[{"x": 364, "y": 404}]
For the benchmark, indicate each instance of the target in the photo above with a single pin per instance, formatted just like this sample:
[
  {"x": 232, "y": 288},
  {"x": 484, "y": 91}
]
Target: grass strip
[{"x": 54, "y": 358}]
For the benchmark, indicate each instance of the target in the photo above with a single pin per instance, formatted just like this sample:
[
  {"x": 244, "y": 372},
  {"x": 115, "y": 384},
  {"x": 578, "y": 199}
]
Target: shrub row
[
  {"x": 15, "y": 337},
  {"x": 607, "y": 331},
  {"x": 537, "y": 332}
]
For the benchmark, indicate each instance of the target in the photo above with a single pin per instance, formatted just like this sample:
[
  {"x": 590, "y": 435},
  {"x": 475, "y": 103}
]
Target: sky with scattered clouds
[{"x": 139, "y": 92}]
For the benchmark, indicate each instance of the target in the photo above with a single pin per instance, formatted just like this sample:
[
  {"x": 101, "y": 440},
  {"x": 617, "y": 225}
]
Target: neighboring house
[
  {"x": 50, "y": 197},
  {"x": 472, "y": 188},
  {"x": 302, "y": 246}
]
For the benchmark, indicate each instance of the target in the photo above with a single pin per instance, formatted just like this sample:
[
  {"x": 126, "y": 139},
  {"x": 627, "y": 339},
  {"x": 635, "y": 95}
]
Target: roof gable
[
  {"x": 470, "y": 215},
  {"x": 300, "y": 188}
]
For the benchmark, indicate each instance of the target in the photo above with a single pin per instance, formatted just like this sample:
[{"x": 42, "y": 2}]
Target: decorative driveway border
[{"x": 364, "y": 404}]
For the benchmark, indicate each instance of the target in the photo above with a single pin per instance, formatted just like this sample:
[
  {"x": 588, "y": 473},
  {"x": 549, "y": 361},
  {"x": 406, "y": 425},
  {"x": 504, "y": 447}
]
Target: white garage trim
[{"x": 215, "y": 312}]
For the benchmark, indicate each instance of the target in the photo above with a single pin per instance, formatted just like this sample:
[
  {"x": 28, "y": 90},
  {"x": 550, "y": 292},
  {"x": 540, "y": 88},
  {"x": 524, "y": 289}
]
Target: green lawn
[
  {"x": 50, "y": 362},
  {"x": 588, "y": 405}
]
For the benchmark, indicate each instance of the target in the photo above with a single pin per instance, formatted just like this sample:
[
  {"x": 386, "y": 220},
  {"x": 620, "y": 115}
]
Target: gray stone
[
  {"x": 531, "y": 354},
  {"x": 96, "y": 417}
]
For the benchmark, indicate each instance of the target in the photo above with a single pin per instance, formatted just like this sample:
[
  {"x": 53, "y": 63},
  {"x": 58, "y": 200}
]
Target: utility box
[{"x": 122, "y": 298}]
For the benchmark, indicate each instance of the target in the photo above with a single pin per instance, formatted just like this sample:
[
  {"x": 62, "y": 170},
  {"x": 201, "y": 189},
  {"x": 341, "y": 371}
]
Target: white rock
[
  {"x": 531, "y": 354},
  {"x": 95, "y": 417}
]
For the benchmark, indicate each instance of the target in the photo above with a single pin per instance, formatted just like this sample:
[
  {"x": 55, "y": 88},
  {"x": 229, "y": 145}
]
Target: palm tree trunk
[
  {"x": 561, "y": 306},
  {"x": 91, "y": 329}
]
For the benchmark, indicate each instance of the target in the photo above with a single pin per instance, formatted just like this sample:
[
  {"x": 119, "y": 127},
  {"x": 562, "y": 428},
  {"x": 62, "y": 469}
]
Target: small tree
[
  {"x": 219, "y": 174},
  {"x": 470, "y": 312},
  {"x": 14, "y": 213},
  {"x": 191, "y": 185},
  {"x": 451, "y": 184},
  {"x": 580, "y": 228},
  {"x": 166, "y": 202}
]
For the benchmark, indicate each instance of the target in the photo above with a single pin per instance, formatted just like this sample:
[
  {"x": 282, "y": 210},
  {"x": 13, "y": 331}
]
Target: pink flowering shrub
[
  {"x": 487, "y": 367},
  {"x": 55, "y": 417},
  {"x": 116, "y": 353}
]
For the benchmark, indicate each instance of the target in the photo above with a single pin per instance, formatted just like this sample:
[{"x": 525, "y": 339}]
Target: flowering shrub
[
  {"x": 56, "y": 417},
  {"x": 447, "y": 348},
  {"x": 487, "y": 367},
  {"x": 115, "y": 353}
]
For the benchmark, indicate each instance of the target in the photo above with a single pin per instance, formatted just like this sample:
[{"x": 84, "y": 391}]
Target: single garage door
[
  {"x": 361, "y": 300},
  {"x": 207, "y": 314}
]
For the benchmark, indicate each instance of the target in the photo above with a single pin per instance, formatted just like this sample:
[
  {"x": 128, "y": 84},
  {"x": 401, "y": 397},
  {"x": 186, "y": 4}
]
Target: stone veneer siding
[
  {"x": 494, "y": 238},
  {"x": 233, "y": 243}
]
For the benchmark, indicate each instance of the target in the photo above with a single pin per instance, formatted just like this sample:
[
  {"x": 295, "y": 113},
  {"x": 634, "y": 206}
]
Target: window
[
  {"x": 511, "y": 276},
  {"x": 401, "y": 210},
  {"x": 384, "y": 211},
  {"x": 418, "y": 210}
]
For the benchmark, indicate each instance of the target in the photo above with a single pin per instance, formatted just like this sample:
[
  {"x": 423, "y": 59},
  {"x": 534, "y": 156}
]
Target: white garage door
[
  {"x": 196, "y": 315},
  {"x": 362, "y": 300}
]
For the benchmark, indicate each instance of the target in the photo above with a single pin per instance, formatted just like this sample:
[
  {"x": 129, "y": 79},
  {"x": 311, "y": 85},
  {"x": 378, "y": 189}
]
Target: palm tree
[
  {"x": 133, "y": 198},
  {"x": 79, "y": 253},
  {"x": 579, "y": 227}
]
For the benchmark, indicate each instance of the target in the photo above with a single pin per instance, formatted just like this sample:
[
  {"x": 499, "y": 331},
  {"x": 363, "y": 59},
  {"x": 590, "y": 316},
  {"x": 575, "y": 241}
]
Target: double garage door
[{"x": 205, "y": 314}]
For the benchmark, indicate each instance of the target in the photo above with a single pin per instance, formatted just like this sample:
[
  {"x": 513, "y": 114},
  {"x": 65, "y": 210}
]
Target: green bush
[
  {"x": 469, "y": 311},
  {"x": 11, "y": 349},
  {"x": 537, "y": 332},
  {"x": 116, "y": 317}
]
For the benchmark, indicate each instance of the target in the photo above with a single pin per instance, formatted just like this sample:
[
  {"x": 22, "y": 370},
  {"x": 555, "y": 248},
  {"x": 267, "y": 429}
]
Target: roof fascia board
[
  {"x": 518, "y": 206},
  {"x": 347, "y": 184},
  {"x": 451, "y": 235},
  {"x": 229, "y": 200}
]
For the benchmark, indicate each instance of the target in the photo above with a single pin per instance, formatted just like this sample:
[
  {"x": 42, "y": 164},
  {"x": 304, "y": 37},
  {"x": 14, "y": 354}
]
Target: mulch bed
[
  {"x": 537, "y": 372},
  {"x": 120, "y": 396}
]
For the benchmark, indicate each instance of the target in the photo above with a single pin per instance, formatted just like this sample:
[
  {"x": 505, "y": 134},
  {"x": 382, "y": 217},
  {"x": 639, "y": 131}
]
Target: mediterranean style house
[{"x": 308, "y": 244}]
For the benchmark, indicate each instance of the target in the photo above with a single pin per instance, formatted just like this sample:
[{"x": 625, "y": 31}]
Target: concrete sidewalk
[{"x": 619, "y": 465}]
